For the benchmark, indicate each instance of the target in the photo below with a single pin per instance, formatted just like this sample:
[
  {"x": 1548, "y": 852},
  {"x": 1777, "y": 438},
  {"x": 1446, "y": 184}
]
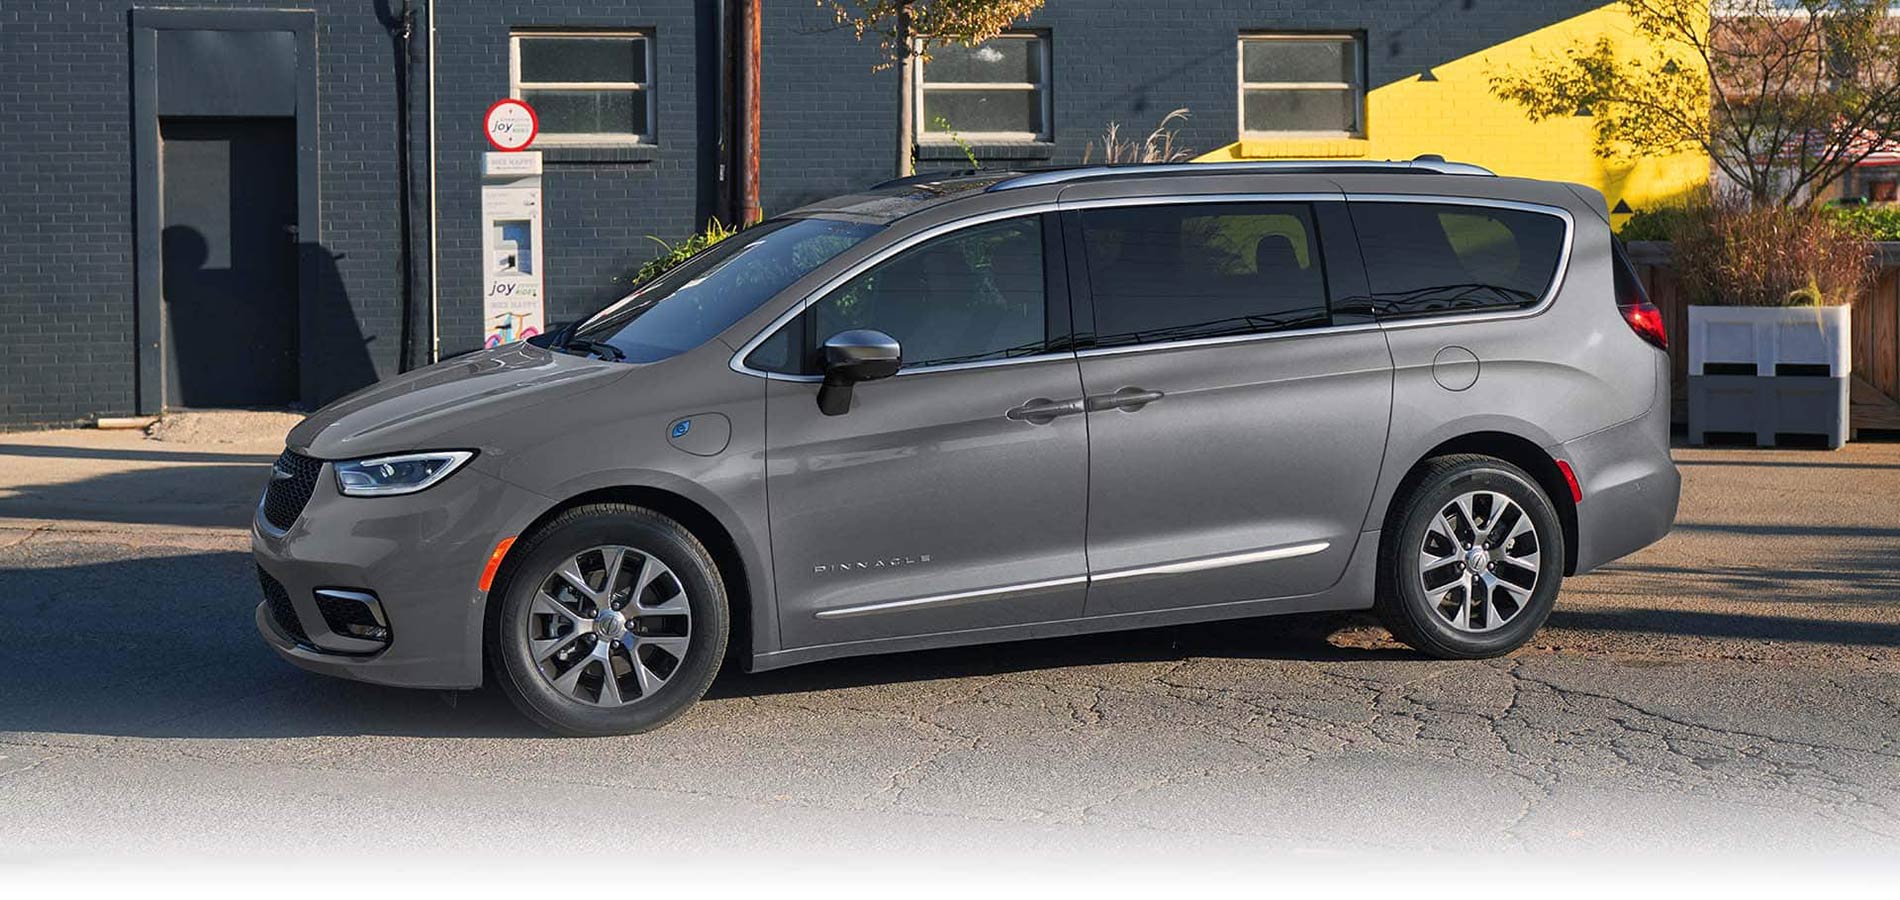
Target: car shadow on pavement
[
  {"x": 1293, "y": 638},
  {"x": 164, "y": 646}
]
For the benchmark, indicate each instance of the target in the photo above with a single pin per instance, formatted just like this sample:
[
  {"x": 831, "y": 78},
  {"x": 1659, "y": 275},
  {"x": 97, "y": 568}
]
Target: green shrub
[
  {"x": 1873, "y": 223},
  {"x": 674, "y": 254},
  {"x": 1652, "y": 224},
  {"x": 1868, "y": 222}
]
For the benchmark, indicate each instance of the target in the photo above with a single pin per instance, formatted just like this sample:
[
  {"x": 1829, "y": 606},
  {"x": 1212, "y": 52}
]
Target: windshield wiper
[{"x": 599, "y": 348}]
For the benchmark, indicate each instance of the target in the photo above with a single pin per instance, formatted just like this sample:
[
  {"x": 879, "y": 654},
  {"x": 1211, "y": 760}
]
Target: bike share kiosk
[{"x": 513, "y": 284}]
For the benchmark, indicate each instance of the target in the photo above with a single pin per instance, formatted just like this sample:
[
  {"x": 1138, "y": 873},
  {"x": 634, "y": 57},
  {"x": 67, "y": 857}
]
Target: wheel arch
[
  {"x": 735, "y": 566},
  {"x": 1517, "y": 450}
]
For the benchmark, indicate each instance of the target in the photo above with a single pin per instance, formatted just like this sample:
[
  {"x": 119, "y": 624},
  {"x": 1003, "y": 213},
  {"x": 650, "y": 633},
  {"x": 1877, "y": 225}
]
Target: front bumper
[{"x": 421, "y": 554}]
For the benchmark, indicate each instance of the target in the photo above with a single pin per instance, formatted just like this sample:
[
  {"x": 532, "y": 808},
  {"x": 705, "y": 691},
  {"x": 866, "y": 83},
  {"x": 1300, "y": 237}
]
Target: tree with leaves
[
  {"x": 905, "y": 30},
  {"x": 1784, "y": 96}
]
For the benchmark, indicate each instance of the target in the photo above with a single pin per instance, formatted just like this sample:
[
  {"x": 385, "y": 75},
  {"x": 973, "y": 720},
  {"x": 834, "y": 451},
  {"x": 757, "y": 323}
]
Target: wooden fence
[{"x": 1876, "y": 317}]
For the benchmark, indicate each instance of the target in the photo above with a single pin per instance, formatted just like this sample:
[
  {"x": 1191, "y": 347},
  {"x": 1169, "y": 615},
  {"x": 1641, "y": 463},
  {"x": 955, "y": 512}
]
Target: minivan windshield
[{"x": 704, "y": 295}]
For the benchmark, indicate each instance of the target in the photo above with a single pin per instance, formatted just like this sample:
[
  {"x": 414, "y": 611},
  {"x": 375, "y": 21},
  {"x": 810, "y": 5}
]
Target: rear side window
[
  {"x": 1180, "y": 272},
  {"x": 1424, "y": 258}
]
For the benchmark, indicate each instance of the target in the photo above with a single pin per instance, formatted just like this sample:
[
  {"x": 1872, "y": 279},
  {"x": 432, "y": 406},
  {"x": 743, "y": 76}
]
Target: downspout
[
  {"x": 402, "y": 28},
  {"x": 722, "y": 134},
  {"x": 435, "y": 281}
]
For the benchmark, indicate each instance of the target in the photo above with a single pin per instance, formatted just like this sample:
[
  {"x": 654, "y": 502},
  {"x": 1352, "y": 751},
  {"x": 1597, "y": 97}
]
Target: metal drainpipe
[{"x": 435, "y": 288}]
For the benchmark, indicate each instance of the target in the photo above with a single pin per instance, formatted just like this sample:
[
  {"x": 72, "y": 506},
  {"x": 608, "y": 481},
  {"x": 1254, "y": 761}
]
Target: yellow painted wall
[{"x": 1456, "y": 117}]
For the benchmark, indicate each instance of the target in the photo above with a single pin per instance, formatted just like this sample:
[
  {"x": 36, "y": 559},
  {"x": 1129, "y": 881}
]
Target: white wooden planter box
[
  {"x": 1770, "y": 372},
  {"x": 1771, "y": 338}
]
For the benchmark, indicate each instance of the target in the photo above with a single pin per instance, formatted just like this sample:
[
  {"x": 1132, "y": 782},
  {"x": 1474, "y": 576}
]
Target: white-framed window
[
  {"x": 995, "y": 91},
  {"x": 1302, "y": 85},
  {"x": 586, "y": 87}
]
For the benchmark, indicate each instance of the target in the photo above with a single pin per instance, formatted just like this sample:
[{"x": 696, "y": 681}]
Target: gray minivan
[{"x": 995, "y": 406}]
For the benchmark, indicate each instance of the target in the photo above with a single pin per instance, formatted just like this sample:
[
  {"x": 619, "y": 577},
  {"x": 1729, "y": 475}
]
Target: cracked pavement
[{"x": 1733, "y": 691}]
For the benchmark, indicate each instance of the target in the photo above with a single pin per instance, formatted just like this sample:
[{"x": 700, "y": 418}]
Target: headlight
[{"x": 408, "y": 473}]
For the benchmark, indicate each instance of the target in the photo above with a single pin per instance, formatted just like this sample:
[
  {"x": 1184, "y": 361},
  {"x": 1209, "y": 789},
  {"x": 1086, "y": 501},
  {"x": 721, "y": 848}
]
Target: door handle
[
  {"x": 1128, "y": 399},
  {"x": 1042, "y": 411}
]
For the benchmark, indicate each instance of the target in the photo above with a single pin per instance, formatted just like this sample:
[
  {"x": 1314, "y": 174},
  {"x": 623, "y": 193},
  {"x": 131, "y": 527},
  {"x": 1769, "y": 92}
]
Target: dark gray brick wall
[
  {"x": 67, "y": 267},
  {"x": 67, "y": 276}
]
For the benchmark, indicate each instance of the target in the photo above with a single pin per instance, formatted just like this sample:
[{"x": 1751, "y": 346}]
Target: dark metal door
[{"x": 230, "y": 262}]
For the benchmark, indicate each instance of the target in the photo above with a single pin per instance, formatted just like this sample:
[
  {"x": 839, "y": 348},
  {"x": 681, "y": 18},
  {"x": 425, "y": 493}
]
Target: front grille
[
  {"x": 293, "y": 478},
  {"x": 280, "y": 609}
]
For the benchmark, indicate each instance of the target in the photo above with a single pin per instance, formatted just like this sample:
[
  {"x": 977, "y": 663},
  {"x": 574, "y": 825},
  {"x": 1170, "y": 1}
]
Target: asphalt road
[{"x": 1733, "y": 692}]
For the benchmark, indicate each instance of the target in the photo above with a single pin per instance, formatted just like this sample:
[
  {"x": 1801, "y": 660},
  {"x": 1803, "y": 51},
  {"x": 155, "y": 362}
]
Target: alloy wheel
[
  {"x": 609, "y": 626},
  {"x": 1479, "y": 561}
]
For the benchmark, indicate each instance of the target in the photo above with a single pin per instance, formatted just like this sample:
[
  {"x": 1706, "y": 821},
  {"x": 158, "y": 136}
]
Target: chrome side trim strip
[
  {"x": 950, "y": 599},
  {"x": 1192, "y": 343},
  {"x": 1174, "y": 568},
  {"x": 1215, "y": 562}
]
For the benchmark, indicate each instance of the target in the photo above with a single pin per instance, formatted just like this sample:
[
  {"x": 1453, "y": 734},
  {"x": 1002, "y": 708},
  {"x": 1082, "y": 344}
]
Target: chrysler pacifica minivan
[{"x": 995, "y": 406}]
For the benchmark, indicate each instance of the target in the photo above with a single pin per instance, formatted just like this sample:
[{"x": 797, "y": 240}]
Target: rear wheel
[
  {"x": 612, "y": 620},
  {"x": 1471, "y": 560}
]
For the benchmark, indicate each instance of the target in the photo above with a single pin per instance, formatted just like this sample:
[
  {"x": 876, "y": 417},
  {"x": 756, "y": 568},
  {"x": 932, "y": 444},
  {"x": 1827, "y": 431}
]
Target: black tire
[
  {"x": 532, "y": 562},
  {"x": 1402, "y": 602}
]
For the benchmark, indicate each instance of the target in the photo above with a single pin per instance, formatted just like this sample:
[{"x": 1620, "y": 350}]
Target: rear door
[
  {"x": 1236, "y": 425},
  {"x": 928, "y": 507}
]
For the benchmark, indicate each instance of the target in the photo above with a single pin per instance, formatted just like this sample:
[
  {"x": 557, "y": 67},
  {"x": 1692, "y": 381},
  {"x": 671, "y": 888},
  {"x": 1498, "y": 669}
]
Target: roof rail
[{"x": 1427, "y": 165}]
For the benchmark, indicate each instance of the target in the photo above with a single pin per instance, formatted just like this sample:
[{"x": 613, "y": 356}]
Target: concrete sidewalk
[{"x": 203, "y": 471}]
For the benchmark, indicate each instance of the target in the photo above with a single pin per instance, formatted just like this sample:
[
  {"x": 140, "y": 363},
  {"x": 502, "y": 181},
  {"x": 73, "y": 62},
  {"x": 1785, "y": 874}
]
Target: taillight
[
  {"x": 1647, "y": 321},
  {"x": 1633, "y": 302}
]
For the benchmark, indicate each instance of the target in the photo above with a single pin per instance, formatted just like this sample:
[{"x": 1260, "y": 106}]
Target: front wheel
[
  {"x": 1472, "y": 559},
  {"x": 612, "y": 620}
]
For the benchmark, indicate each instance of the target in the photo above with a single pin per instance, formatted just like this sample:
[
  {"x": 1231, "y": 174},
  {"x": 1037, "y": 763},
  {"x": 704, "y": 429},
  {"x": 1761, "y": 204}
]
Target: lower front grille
[
  {"x": 281, "y": 611},
  {"x": 293, "y": 478}
]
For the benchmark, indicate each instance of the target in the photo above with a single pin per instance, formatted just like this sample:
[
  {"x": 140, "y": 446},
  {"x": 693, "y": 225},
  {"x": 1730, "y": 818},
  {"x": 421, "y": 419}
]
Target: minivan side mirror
[{"x": 851, "y": 357}]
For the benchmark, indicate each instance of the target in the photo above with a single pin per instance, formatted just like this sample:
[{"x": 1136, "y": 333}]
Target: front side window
[
  {"x": 1189, "y": 271},
  {"x": 705, "y": 295},
  {"x": 1301, "y": 85},
  {"x": 1424, "y": 258},
  {"x": 976, "y": 295},
  {"x": 586, "y": 87},
  {"x": 997, "y": 90}
]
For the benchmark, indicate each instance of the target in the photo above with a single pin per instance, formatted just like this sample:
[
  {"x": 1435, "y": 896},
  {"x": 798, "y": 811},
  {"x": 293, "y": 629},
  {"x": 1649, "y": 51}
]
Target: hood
[{"x": 420, "y": 409}]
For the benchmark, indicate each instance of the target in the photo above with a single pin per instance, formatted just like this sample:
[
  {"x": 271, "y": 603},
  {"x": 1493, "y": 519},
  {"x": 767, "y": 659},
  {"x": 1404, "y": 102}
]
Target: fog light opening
[{"x": 353, "y": 614}]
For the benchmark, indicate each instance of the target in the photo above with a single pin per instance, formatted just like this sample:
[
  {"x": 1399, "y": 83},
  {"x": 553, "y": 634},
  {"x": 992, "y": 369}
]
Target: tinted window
[
  {"x": 1629, "y": 285},
  {"x": 1168, "y": 273},
  {"x": 703, "y": 296},
  {"x": 974, "y": 295},
  {"x": 1425, "y": 258}
]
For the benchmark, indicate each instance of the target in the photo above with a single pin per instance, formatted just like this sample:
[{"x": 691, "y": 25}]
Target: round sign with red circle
[{"x": 511, "y": 125}]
